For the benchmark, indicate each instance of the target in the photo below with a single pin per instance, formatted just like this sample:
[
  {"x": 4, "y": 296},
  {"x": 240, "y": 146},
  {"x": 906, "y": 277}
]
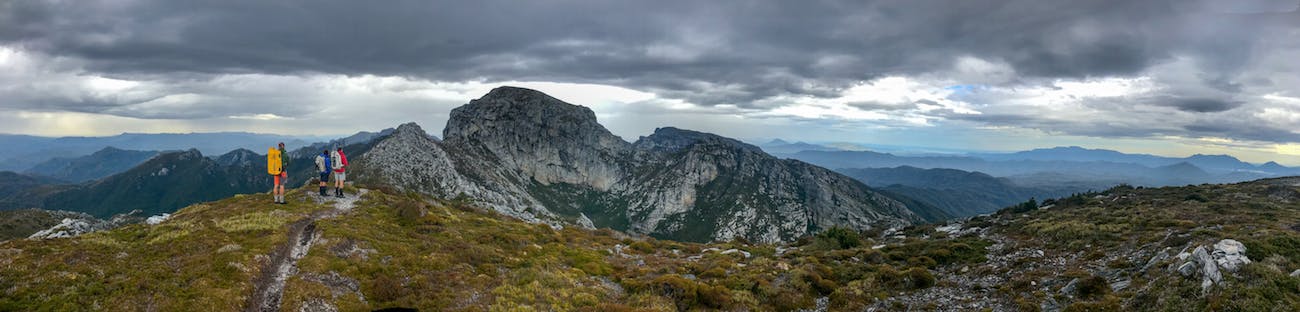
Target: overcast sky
[{"x": 1165, "y": 77}]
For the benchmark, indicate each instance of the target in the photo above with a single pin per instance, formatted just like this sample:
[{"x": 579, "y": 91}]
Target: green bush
[
  {"x": 643, "y": 247},
  {"x": 837, "y": 238},
  {"x": 930, "y": 253},
  {"x": 910, "y": 279},
  {"x": 680, "y": 289},
  {"x": 1092, "y": 287},
  {"x": 1284, "y": 244},
  {"x": 1196, "y": 197}
]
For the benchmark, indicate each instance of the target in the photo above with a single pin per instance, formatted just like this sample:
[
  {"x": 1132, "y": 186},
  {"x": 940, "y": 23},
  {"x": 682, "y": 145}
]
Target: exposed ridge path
[{"x": 268, "y": 289}]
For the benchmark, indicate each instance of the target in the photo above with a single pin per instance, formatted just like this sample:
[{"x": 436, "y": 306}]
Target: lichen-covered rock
[{"x": 1230, "y": 255}]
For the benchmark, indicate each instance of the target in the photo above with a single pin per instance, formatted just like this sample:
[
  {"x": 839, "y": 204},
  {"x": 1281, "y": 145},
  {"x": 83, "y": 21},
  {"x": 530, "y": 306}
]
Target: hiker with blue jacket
[{"x": 325, "y": 168}]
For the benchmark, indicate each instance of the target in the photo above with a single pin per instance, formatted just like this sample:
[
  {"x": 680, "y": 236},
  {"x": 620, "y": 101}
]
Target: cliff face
[
  {"x": 545, "y": 139},
  {"x": 535, "y": 157},
  {"x": 700, "y": 185}
]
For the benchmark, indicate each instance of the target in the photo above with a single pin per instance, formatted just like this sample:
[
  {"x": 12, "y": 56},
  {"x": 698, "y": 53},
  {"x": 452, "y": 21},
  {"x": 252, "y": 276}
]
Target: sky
[{"x": 1170, "y": 78}]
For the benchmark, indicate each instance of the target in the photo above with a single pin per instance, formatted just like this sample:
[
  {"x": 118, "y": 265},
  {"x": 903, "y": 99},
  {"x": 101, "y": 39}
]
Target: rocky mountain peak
[
  {"x": 188, "y": 154},
  {"x": 108, "y": 150},
  {"x": 410, "y": 129},
  {"x": 512, "y": 111},
  {"x": 518, "y": 94},
  {"x": 550, "y": 141},
  {"x": 239, "y": 157}
]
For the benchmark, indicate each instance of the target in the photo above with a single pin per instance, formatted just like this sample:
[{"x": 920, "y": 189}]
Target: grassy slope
[
  {"x": 1118, "y": 231},
  {"x": 408, "y": 251},
  {"x": 396, "y": 250},
  {"x": 204, "y": 256}
]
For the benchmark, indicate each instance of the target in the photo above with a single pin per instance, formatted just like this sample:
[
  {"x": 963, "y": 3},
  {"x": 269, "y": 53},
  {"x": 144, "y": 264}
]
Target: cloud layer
[{"x": 1132, "y": 69}]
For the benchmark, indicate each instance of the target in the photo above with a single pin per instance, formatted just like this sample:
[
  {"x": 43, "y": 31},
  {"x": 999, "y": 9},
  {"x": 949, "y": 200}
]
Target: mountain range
[
  {"x": 1170, "y": 171},
  {"x": 779, "y": 146},
  {"x": 162, "y": 183},
  {"x": 100, "y": 164},
  {"x": 534, "y": 157},
  {"x": 22, "y": 152}
]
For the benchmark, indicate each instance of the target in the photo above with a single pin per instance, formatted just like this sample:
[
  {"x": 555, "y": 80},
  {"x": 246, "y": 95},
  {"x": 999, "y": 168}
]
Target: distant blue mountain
[
  {"x": 1084, "y": 167},
  {"x": 22, "y": 152},
  {"x": 1214, "y": 164},
  {"x": 779, "y": 146},
  {"x": 1075, "y": 153},
  {"x": 105, "y": 162}
]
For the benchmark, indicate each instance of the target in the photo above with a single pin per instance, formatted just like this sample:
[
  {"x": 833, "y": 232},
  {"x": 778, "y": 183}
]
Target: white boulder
[{"x": 1230, "y": 255}]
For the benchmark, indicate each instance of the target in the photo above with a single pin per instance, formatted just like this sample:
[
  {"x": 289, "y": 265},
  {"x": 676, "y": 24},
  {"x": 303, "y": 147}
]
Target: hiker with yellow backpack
[{"x": 277, "y": 164}]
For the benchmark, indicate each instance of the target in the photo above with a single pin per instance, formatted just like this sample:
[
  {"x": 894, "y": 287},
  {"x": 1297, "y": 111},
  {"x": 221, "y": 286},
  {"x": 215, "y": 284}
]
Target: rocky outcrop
[
  {"x": 1209, "y": 263},
  {"x": 409, "y": 159},
  {"x": 531, "y": 156},
  {"x": 75, "y": 224},
  {"x": 1230, "y": 255}
]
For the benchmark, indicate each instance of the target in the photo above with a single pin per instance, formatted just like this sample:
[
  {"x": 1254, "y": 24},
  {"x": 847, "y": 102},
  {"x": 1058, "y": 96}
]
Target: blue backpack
[{"x": 328, "y": 163}]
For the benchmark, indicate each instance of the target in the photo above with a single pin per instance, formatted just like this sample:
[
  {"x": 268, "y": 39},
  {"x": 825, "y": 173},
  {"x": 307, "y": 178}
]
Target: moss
[{"x": 1109, "y": 303}]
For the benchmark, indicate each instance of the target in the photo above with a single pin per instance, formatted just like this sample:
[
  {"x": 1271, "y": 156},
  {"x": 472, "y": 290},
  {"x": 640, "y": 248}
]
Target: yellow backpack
[{"x": 273, "y": 164}]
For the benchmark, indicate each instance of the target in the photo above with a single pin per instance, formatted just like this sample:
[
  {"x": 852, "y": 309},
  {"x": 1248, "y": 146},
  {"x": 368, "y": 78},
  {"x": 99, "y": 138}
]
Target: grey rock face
[
  {"x": 409, "y": 159},
  {"x": 1209, "y": 270},
  {"x": 1188, "y": 269},
  {"x": 544, "y": 138},
  {"x": 532, "y": 156},
  {"x": 1120, "y": 285}
]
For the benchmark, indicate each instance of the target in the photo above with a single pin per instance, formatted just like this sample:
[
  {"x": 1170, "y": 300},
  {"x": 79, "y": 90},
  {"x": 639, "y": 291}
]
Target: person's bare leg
[
  {"x": 279, "y": 189},
  {"x": 338, "y": 185}
]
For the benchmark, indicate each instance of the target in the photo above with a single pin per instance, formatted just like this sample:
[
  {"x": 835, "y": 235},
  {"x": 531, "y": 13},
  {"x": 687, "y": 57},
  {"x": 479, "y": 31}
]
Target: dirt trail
[{"x": 268, "y": 289}]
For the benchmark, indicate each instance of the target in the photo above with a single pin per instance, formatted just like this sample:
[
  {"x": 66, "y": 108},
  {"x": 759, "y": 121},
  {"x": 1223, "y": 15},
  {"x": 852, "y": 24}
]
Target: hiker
[
  {"x": 277, "y": 165},
  {"x": 323, "y": 165},
  {"x": 340, "y": 162}
]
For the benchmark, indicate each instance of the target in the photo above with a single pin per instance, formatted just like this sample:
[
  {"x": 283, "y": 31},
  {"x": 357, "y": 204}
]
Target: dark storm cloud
[
  {"x": 1198, "y": 105},
  {"x": 751, "y": 54},
  {"x": 707, "y": 52},
  {"x": 1243, "y": 131},
  {"x": 877, "y": 106}
]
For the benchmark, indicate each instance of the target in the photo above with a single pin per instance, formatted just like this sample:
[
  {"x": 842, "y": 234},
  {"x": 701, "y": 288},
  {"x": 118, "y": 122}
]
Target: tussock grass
[{"x": 256, "y": 221}]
